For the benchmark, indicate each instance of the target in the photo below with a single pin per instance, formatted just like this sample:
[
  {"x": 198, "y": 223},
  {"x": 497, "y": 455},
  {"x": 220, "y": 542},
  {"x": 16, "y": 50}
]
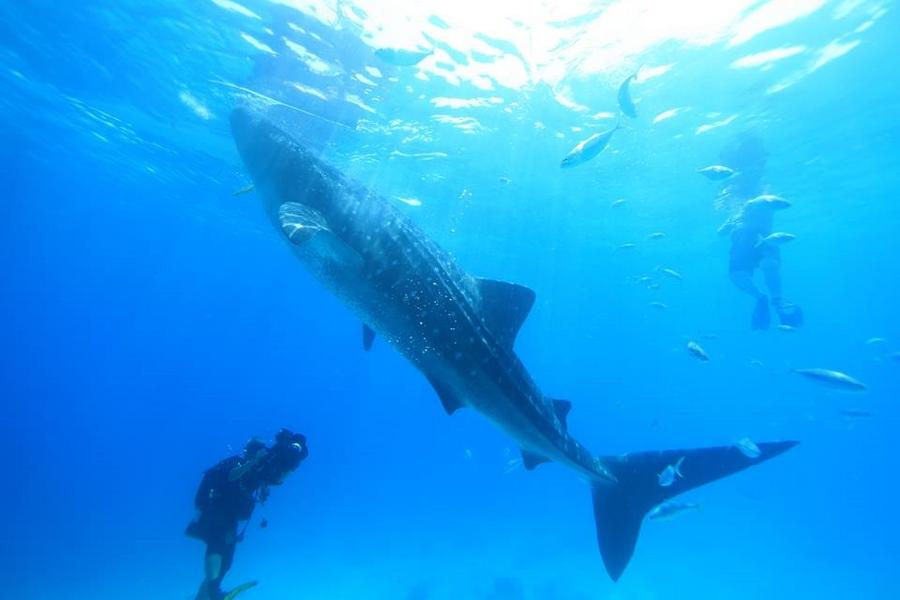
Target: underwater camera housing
[{"x": 285, "y": 455}]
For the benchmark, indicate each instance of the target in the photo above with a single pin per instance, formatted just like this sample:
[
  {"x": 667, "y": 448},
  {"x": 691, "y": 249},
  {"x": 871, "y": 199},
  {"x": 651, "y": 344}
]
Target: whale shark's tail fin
[{"x": 642, "y": 483}]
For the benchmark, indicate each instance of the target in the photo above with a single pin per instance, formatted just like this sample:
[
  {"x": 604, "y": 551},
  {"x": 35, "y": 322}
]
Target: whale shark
[{"x": 457, "y": 329}]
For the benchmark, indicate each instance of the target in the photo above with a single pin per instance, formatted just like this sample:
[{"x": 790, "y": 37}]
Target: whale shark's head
[{"x": 282, "y": 168}]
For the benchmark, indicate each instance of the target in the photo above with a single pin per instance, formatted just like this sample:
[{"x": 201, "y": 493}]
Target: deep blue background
[{"x": 150, "y": 323}]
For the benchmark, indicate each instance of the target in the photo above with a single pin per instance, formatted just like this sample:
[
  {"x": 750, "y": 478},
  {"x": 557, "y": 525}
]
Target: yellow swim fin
[{"x": 239, "y": 589}]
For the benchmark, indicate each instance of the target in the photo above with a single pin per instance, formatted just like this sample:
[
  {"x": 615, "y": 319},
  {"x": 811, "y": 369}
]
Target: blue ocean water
[{"x": 152, "y": 321}]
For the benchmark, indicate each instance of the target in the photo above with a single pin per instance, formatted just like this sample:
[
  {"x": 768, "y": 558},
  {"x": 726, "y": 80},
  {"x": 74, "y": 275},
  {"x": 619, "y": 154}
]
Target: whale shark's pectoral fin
[
  {"x": 504, "y": 307},
  {"x": 530, "y": 460},
  {"x": 449, "y": 398},
  {"x": 368, "y": 337},
  {"x": 561, "y": 408}
]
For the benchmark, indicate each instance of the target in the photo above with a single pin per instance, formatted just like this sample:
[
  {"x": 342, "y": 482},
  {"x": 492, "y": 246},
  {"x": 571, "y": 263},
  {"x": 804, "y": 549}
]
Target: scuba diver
[
  {"x": 227, "y": 495},
  {"x": 749, "y": 226}
]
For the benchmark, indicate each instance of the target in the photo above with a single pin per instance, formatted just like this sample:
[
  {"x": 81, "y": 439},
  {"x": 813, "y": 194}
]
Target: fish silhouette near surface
[
  {"x": 626, "y": 104},
  {"x": 458, "y": 330}
]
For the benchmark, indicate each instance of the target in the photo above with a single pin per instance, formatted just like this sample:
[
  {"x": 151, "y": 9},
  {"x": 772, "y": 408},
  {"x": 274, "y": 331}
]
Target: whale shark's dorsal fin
[
  {"x": 504, "y": 306},
  {"x": 561, "y": 408}
]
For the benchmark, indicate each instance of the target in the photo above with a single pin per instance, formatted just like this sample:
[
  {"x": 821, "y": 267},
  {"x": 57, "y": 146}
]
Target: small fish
[
  {"x": 769, "y": 201},
  {"x": 468, "y": 454},
  {"x": 832, "y": 379},
  {"x": 786, "y": 328},
  {"x": 656, "y": 235},
  {"x": 695, "y": 349},
  {"x": 400, "y": 57},
  {"x": 644, "y": 279},
  {"x": 876, "y": 340},
  {"x": 659, "y": 305},
  {"x": 512, "y": 465},
  {"x": 626, "y": 246},
  {"x": 588, "y": 149},
  {"x": 710, "y": 336},
  {"x": 755, "y": 362},
  {"x": 505, "y": 180},
  {"x": 671, "y": 508},
  {"x": 855, "y": 413},
  {"x": 618, "y": 202},
  {"x": 779, "y": 238},
  {"x": 625, "y": 103},
  {"x": 244, "y": 190},
  {"x": 671, "y": 273},
  {"x": 653, "y": 286},
  {"x": 672, "y": 472},
  {"x": 748, "y": 448},
  {"x": 717, "y": 172}
]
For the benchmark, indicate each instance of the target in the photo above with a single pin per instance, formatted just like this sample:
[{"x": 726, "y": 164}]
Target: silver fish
[
  {"x": 672, "y": 472},
  {"x": 695, "y": 349},
  {"x": 832, "y": 379},
  {"x": 625, "y": 104},
  {"x": 768, "y": 201},
  {"x": 778, "y": 238},
  {"x": 717, "y": 172},
  {"x": 671, "y": 508},
  {"x": 748, "y": 448},
  {"x": 671, "y": 273},
  {"x": 589, "y": 148},
  {"x": 656, "y": 235}
]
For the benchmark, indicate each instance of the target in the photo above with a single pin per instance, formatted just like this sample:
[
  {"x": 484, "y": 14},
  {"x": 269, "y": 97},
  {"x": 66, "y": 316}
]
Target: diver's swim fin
[
  {"x": 620, "y": 507},
  {"x": 761, "y": 315},
  {"x": 231, "y": 595}
]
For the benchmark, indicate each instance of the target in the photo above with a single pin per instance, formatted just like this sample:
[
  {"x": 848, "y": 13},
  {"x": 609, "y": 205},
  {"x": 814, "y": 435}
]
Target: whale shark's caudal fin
[{"x": 620, "y": 507}]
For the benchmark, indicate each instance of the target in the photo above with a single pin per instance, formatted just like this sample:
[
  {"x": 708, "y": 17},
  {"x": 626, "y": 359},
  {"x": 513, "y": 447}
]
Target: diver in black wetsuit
[
  {"x": 751, "y": 221},
  {"x": 227, "y": 495}
]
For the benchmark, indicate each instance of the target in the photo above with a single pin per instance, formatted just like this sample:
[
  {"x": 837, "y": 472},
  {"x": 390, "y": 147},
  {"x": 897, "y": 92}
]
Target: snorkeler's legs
[
  {"x": 743, "y": 280},
  {"x": 771, "y": 269},
  {"x": 213, "y": 574},
  {"x": 789, "y": 314}
]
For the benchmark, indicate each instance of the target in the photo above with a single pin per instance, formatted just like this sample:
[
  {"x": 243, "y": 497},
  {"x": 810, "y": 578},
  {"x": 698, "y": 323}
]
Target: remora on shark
[{"x": 457, "y": 329}]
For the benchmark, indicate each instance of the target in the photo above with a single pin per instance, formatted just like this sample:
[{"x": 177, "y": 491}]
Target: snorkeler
[
  {"x": 227, "y": 495},
  {"x": 750, "y": 227}
]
